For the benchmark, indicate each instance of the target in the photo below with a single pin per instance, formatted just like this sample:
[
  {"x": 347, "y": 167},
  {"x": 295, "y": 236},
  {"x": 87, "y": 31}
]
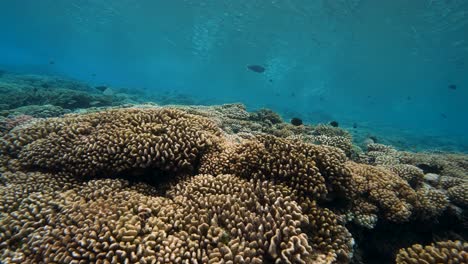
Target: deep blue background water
[{"x": 385, "y": 65}]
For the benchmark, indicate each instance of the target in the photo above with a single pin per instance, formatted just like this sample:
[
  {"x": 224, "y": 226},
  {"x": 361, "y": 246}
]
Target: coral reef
[
  {"x": 459, "y": 194},
  {"x": 391, "y": 196},
  {"x": 195, "y": 184},
  {"x": 440, "y": 252},
  {"x": 25, "y": 90},
  {"x": 7, "y": 124},
  {"x": 38, "y": 111},
  {"x": 205, "y": 219},
  {"x": 113, "y": 141},
  {"x": 234, "y": 119},
  {"x": 312, "y": 170}
]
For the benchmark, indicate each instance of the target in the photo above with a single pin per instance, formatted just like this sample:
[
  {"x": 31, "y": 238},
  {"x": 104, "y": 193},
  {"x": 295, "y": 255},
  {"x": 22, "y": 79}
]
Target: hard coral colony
[{"x": 167, "y": 185}]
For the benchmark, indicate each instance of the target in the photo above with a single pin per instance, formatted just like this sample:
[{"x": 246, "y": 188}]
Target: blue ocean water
[{"x": 395, "y": 68}]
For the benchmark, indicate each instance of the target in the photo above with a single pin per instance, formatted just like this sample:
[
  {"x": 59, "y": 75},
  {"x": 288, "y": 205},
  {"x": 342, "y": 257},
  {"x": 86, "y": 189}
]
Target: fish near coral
[{"x": 296, "y": 121}]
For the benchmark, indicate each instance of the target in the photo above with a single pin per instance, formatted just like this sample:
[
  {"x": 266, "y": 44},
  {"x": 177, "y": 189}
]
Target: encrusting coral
[
  {"x": 113, "y": 141},
  {"x": 454, "y": 252}
]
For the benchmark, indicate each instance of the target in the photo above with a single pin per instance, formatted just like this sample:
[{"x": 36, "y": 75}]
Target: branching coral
[
  {"x": 114, "y": 141},
  {"x": 440, "y": 252}
]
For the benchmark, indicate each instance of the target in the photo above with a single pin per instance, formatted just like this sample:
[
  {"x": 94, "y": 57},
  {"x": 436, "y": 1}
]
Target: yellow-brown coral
[
  {"x": 459, "y": 194},
  {"x": 391, "y": 194},
  {"x": 310, "y": 169},
  {"x": 453, "y": 252},
  {"x": 205, "y": 219},
  {"x": 113, "y": 141}
]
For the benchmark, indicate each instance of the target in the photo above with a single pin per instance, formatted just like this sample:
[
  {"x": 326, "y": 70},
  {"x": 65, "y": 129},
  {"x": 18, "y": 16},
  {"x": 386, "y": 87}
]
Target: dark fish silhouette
[
  {"x": 452, "y": 87},
  {"x": 256, "y": 68},
  {"x": 334, "y": 124},
  {"x": 444, "y": 116},
  {"x": 354, "y": 125},
  {"x": 51, "y": 62},
  {"x": 101, "y": 88},
  {"x": 270, "y": 80},
  {"x": 296, "y": 121}
]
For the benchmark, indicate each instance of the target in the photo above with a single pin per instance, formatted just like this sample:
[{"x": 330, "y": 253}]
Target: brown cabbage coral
[
  {"x": 205, "y": 219},
  {"x": 114, "y": 141},
  {"x": 392, "y": 195},
  {"x": 312, "y": 170},
  {"x": 453, "y": 252}
]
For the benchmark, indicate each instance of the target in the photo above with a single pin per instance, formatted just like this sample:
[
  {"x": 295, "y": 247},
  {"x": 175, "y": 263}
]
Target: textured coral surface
[{"x": 220, "y": 185}]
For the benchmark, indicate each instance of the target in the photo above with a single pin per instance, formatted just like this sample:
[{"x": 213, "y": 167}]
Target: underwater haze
[
  {"x": 396, "y": 68},
  {"x": 234, "y": 131}
]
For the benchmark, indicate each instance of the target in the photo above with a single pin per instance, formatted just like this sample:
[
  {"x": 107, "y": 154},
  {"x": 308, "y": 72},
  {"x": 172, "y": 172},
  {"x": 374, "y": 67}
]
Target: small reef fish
[
  {"x": 452, "y": 87},
  {"x": 296, "y": 121},
  {"x": 256, "y": 68},
  {"x": 334, "y": 124}
]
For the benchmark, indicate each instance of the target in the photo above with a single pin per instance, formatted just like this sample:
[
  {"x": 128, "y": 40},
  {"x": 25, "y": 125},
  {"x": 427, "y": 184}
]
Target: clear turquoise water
[{"x": 385, "y": 65}]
